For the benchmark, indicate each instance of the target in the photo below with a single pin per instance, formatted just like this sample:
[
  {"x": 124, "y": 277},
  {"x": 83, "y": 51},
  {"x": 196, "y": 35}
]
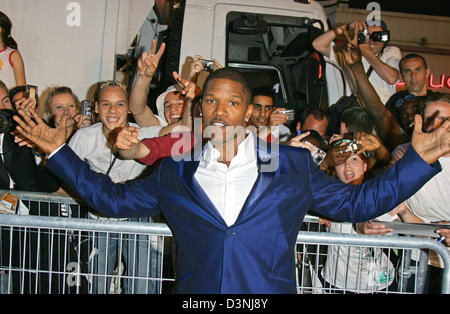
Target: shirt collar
[{"x": 246, "y": 153}]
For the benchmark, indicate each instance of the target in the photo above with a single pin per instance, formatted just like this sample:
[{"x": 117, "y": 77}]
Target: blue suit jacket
[{"x": 256, "y": 254}]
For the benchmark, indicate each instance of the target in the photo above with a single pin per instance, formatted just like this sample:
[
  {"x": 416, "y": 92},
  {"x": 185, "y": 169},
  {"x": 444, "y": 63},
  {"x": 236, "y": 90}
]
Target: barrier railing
[{"x": 77, "y": 255}]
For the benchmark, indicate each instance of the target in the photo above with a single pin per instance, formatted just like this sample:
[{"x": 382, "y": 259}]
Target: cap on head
[{"x": 161, "y": 99}]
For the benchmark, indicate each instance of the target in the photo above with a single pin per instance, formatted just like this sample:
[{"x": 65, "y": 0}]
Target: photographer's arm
[
  {"x": 389, "y": 74},
  {"x": 322, "y": 42}
]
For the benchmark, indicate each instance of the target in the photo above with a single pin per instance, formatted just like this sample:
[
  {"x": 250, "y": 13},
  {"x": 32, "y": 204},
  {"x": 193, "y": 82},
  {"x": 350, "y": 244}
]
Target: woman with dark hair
[{"x": 12, "y": 69}]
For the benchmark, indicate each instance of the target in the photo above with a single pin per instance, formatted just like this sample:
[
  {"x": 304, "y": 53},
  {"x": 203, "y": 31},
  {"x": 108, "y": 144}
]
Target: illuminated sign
[{"x": 442, "y": 82}]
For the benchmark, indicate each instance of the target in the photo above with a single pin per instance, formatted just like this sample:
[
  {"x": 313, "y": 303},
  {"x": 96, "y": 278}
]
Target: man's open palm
[
  {"x": 431, "y": 146},
  {"x": 31, "y": 126}
]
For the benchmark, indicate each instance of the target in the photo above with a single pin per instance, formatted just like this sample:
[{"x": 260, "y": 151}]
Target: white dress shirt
[{"x": 228, "y": 187}]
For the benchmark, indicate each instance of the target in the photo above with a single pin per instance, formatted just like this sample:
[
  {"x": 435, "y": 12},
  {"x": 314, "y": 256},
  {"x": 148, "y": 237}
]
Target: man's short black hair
[
  {"x": 316, "y": 139},
  {"x": 357, "y": 119},
  {"x": 263, "y": 91},
  {"x": 317, "y": 113},
  {"x": 233, "y": 75},
  {"x": 412, "y": 56}
]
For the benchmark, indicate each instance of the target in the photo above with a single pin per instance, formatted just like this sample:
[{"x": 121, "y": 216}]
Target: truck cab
[{"x": 270, "y": 42}]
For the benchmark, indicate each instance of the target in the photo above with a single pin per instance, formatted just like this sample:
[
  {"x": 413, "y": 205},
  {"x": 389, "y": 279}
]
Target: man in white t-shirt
[
  {"x": 380, "y": 61},
  {"x": 93, "y": 144}
]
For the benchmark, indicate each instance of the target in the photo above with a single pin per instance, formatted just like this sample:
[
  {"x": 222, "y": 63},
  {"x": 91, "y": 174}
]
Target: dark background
[{"x": 426, "y": 7}]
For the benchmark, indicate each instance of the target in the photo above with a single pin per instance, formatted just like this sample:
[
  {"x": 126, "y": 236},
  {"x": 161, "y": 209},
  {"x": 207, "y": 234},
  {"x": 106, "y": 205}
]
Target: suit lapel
[
  {"x": 8, "y": 146},
  {"x": 4, "y": 178},
  {"x": 187, "y": 172},
  {"x": 267, "y": 159}
]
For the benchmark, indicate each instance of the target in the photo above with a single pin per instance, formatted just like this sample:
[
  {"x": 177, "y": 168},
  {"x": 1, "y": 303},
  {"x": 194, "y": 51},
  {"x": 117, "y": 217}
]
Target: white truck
[{"x": 269, "y": 41}]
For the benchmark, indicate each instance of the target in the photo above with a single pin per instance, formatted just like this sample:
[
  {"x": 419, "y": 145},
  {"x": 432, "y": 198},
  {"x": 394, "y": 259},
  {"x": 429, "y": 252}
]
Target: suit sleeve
[
  {"x": 134, "y": 199},
  {"x": 375, "y": 197}
]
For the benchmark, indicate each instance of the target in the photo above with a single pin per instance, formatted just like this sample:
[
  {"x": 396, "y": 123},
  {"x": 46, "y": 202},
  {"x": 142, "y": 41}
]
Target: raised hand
[
  {"x": 367, "y": 141},
  {"x": 431, "y": 146},
  {"x": 26, "y": 104},
  {"x": 276, "y": 117},
  {"x": 352, "y": 53},
  {"x": 336, "y": 155},
  {"x": 36, "y": 131},
  {"x": 127, "y": 137},
  {"x": 148, "y": 62},
  {"x": 189, "y": 89},
  {"x": 297, "y": 142},
  {"x": 82, "y": 121}
]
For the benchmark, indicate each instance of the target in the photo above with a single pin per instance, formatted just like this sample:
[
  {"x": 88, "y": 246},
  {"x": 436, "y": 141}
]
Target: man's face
[
  {"x": 312, "y": 124},
  {"x": 173, "y": 107},
  {"x": 5, "y": 103},
  {"x": 224, "y": 107},
  {"x": 375, "y": 46},
  {"x": 407, "y": 112},
  {"x": 435, "y": 114},
  {"x": 262, "y": 107},
  {"x": 112, "y": 108},
  {"x": 415, "y": 76}
]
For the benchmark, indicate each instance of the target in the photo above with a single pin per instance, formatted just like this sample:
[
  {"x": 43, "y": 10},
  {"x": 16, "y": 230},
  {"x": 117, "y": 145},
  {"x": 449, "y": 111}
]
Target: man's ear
[
  {"x": 248, "y": 114},
  {"x": 96, "y": 107},
  {"x": 428, "y": 75},
  {"x": 343, "y": 128}
]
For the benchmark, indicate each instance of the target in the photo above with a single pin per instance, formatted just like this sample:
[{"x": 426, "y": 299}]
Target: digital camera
[
  {"x": 208, "y": 65},
  {"x": 290, "y": 113},
  {"x": 87, "y": 108},
  {"x": 381, "y": 36}
]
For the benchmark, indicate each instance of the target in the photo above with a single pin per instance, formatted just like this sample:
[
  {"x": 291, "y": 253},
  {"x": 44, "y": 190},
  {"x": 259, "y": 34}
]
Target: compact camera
[
  {"x": 289, "y": 113},
  {"x": 381, "y": 36},
  {"x": 351, "y": 147},
  {"x": 7, "y": 123},
  {"x": 31, "y": 91},
  {"x": 208, "y": 65},
  {"x": 87, "y": 108},
  {"x": 318, "y": 156}
]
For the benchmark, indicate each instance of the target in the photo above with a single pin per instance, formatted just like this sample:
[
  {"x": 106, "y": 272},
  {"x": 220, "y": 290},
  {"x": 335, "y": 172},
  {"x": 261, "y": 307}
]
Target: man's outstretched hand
[
  {"x": 431, "y": 146},
  {"x": 35, "y": 130}
]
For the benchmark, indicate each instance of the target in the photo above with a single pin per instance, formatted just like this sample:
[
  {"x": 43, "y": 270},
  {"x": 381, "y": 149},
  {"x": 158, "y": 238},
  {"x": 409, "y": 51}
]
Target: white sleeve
[
  {"x": 393, "y": 57},
  {"x": 149, "y": 132}
]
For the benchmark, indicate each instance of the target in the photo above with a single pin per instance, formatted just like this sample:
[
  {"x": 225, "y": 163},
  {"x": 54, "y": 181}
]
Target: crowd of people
[{"x": 371, "y": 130}]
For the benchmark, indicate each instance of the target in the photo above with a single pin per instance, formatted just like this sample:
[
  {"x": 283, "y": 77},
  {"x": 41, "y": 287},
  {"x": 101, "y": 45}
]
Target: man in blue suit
[{"x": 235, "y": 216}]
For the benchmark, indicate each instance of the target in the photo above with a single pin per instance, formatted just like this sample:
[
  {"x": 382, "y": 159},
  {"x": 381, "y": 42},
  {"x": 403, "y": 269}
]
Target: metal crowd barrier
[{"x": 71, "y": 253}]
